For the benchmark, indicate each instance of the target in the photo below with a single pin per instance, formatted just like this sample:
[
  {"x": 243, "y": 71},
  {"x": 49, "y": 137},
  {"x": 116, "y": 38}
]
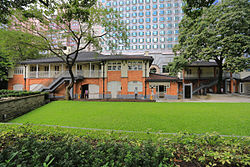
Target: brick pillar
[{"x": 231, "y": 83}]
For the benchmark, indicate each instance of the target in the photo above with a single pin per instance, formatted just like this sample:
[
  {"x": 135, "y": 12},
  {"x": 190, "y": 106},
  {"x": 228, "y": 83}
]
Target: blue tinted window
[
  {"x": 161, "y": 6},
  {"x": 176, "y": 18},
  {"x": 141, "y": 27},
  {"x": 176, "y": 31},
  {"x": 121, "y": 3},
  {"x": 148, "y": 26},
  {"x": 154, "y": 13},
  {"x": 169, "y": 25},
  {"x": 134, "y": 34},
  {"x": 134, "y": 1},
  {"x": 134, "y": 14},
  {"x": 169, "y": 18},
  {"x": 141, "y": 7},
  {"x": 155, "y": 32},
  {"x": 108, "y": 4},
  {"x": 114, "y": 3},
  {"x": 141, "y": 14},
  {"x": 161, "y": 1},
  {"x": 154, "y": 0},
  {"x": 162, "y": 26},
  {"x": 169, "y": 12},
  {"x": 161, "y": 12},
  {"x": 134, "y": 8},
  {"x": 169, "y": 4},
  {"x": 141, "y": 33},
  {"x": 134, "y": 21},
  {"x": 134, "y": 27},
  {"x": 170, "y": 45},
  {"x": 155, "y": 19},
  {"x": 148, "y": 33},
  {"x": 155, "y": 26},
  {"x": 127, "y": 8},
  {"x": 162, "y": 19},
  {"x": 176, "y": 4},
  {"x": 147, "y": 1},
  {"x": 147, "y": 13},
  {"x": 141, "y": 20},
  {"x": 154, "y": 6},
  {"x": 162, "y": 32},
  {"x": 128, "y": 2},
  {"x": 140, "y": 1},
  {"x": 147, "y": 20},
  {"x": 147, "y": 7},
  {"x": 169, "y": 32}
]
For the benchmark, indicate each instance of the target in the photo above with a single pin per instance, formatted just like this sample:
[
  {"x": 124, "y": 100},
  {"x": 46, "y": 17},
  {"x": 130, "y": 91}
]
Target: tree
[
  {"x": 7, "y": 5},
  {"x": 220, "y": 34},
  {"x": 194, "y": 8},
  {"x": 14, "y": 48},
  {"x": 96, "y": 24}
]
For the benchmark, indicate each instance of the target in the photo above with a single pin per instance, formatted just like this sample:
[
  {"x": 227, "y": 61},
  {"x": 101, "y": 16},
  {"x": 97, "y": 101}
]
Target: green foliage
[
  {"x": 194, "y": 8},
  {"x": 14, "y": 93},
  {"x": 16, "y": 46},
  {"x": 221, "y": 34},
  {"x": 25, "y": 146}
]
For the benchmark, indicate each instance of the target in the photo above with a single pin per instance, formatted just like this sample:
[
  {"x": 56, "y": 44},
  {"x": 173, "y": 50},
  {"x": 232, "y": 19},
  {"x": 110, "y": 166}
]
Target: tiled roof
[
  {"x": 90, "y": 57},
  {"x": 160, "y": 78},
  {"x": 246, "y": 79}
]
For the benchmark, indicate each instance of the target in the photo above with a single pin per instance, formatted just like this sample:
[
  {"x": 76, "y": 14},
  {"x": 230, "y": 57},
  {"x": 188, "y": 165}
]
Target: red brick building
[{"x": 103, "y": 76}]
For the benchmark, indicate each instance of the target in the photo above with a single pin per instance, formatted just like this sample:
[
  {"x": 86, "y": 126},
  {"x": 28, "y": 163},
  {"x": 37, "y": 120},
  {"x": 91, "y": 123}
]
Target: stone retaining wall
[{"x": 10, "y": 109}]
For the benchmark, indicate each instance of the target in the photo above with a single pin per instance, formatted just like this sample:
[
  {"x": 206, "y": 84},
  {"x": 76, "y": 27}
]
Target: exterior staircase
[
  {"x": 205, "y": 86},
  {"x": 57, "y": 82}
]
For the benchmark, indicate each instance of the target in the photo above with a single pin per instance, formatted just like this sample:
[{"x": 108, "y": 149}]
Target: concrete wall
[{"x": 10, "y": 109}]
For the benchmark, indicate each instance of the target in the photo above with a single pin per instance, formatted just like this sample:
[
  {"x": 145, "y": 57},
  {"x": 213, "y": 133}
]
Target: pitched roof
[
  {"x": 202, "y": 64},
  {"x": 246, "y": 79},
  {"x": 160, "y": 78},
  {"x": 90, "y": 57}
]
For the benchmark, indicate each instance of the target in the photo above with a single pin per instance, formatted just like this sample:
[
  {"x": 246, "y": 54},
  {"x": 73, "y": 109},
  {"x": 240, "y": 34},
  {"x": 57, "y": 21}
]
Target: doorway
[
  {"x": 84, "y": 88},
  {"x": 187, "y": 91},
  {"x": 162, "y": 91}
]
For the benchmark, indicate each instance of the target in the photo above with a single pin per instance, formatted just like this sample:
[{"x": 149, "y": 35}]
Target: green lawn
[{"x": 224, "y": 118}]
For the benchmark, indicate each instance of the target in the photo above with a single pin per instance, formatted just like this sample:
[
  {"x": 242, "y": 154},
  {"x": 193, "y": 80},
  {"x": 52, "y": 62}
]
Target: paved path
[
  {"x": 108, "y": 130},
  {"x": 225, "y": 98}
]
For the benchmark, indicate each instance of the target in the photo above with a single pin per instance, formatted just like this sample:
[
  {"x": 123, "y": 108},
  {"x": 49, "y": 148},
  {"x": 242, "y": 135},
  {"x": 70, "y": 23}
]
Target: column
[
  {"x": 49, "y": 70},
  {"x": 37, "y": 71},
  {"x": 90, "y": 69},
  {"x": 76, "y": 69}
]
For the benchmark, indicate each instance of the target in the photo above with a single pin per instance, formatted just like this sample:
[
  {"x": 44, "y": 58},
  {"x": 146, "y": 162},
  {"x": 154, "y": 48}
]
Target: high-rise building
[{"x": 153, "y": 28}]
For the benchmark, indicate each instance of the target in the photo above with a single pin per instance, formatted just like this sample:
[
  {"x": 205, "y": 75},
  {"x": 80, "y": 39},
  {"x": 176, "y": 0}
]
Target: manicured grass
[{"x": 224, "y": 118}]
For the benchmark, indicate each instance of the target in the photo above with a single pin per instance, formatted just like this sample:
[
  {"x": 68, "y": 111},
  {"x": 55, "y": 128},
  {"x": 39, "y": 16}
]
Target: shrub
[{"x": 25, "y": 146}]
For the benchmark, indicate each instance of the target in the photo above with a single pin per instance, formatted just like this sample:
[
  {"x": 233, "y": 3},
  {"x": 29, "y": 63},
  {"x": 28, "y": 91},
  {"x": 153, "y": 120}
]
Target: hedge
[
  {"x": 25, "y": 146},
  {"x": 14, "y": 93}
]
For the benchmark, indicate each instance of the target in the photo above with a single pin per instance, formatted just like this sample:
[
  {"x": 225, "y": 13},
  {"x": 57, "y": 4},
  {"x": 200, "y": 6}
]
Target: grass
[{"x": 224, "y": 118}]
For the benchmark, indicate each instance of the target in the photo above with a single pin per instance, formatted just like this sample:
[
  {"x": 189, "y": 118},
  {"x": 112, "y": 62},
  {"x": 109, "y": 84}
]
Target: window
[
  {"x": 162, "y": 26},
  {"x": 115, "y": 66},
  {"x": 161, "y": 6},
  {"x": 141, "y": 14},
  {"x": 46, "y": 68},
  {"x": 148, "y": 20},
  {"x": 176, "y": 4},
  {"x": 134, "y": 65},
  {"x": 127, "y": 9},
  {"x": 189, "y": 71},
  {"x": 148, "y": 26},
  {"x": 141, "y": 20},
  {"x": 148, "y": 40},
  {"x": 134, "y": 84},
  {"x": 170, "y": 46},
  {"x": 56, "y": 68},
  {"x": 147, "y": 13},
  {"x": 170, "y": 39},
  {"x": 141, "y": 27},
  {"x": 169, "y": 18},
  {"x": 134, "y": 40},
  {"x": 162, "y": 39},
  {"x": 155, "y": 40},
  {"x": 134, "y": 8},
  {"x": 147, "y": 7},
  {"x": 176, "y": 31},
  {"x": 79, "y": 67},
  {"x": 155, "y": 46},
  {"x": 154, "y": 6},
  {"x": 140, "y": 1},
  {"x": 162, "y": 46},
  {"x": 141, "y": 33},
  {"x": 141, "y": 47},
  {"x": 152, "y": 70},
  {"x": 148, "y": 46},
  {"x": 162, "y": 32},
  {"x": 154, "y": 13},
  {"x": 155, "y": 33},
  {"x": 147, "y": 1},
  {"x": 169, "y": 12},
  {"x": 169, "y": 5},
  {"x": 162, "y": 19},
  {"x": 148, "y": 33},
  {"x": 141, "y": 40},
  {"x": 121, "y": 3},
  {"x": 141, "y": 7},
  {"x": 114, "y": 3},
  {"x": 134, "y": 2},
  {"x": 134, "y": 21},
  {"x": 165, "y": 69},
  {"x": 155, "y": 19},
  {"x": 155, "y": 26},
  {"x": 169, "y": 32}
]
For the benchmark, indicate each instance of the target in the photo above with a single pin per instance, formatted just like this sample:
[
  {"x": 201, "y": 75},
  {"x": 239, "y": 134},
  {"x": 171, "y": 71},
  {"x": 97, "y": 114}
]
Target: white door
[
  {"x": 93, "y": 91},
  {"x": 114, "y": 87}
]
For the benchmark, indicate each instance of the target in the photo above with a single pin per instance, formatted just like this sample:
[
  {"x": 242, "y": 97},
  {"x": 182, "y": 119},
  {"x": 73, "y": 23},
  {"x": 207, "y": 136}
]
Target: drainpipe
[
  {"x": 103, "y": 79},
  {"x": 145, "y": 80},
  {"x": 25, "y": 77}
]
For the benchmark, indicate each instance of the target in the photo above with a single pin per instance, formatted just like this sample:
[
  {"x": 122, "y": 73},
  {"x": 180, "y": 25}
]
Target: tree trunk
[
  {"x": 70, "y": 85},
  {"x": 219, "y": 78}
]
